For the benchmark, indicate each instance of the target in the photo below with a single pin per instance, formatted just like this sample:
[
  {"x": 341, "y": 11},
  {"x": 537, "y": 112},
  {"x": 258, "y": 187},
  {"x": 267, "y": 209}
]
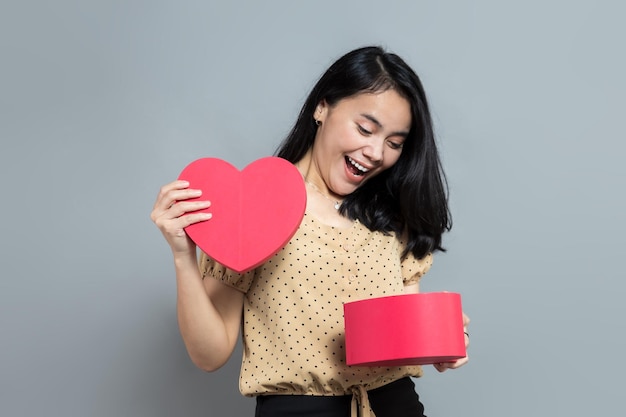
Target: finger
[
  {"x": 440, "y": 367},
  {"x": 175, "y": 196},
  {"x": 444, "y": 366},
  {"x": 177, "y": 226},
  {"x": 169, "y": 193},
  {"x": 176, "y": 209},
  {"x": 190, "y": 219},
  {"x": 466, "y": 320},
  {"x": 459, "y": 363},
  {"x": 174, "y": 185},
  {"x": 163, "y": 201},
  {"x": 184, "y": 207},
  {"x": 176, "y": 218}
]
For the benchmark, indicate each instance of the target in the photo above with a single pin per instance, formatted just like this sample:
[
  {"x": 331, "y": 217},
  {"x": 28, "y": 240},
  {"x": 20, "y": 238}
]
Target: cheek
[
  {"x": 341, "y": 139},
  {"x": 391, "y": 159}
]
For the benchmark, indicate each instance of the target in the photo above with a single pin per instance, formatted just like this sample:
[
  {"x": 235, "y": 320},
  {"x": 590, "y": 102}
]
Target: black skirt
[{"x": 396, "y": 399}]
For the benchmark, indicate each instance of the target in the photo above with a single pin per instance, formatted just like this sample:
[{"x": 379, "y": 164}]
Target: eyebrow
[{"x": 377, "y": 123}]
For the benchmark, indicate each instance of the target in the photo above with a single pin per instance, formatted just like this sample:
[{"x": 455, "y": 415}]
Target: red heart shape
[{"x": 255, "y": 211}]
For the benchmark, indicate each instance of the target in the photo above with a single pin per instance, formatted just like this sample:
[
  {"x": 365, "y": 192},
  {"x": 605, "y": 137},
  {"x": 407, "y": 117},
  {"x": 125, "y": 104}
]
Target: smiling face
[{"x": 359, "y": 137}]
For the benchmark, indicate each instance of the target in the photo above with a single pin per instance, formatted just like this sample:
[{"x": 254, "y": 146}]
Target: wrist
[{"x": 185, "y": 260}]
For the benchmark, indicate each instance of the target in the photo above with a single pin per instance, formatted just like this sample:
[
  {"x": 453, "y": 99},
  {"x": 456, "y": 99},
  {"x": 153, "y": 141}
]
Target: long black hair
[{"x": 411, "y": 197}]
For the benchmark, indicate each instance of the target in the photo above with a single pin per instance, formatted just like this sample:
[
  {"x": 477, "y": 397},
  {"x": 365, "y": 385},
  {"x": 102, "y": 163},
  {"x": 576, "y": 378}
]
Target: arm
[
  {"x": 209, "y": 313},
  {"x": 209, "y": 316}
]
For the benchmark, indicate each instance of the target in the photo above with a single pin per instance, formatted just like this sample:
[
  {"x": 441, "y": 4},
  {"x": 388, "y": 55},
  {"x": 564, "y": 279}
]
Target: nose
[{"x": 374, "y": 150}]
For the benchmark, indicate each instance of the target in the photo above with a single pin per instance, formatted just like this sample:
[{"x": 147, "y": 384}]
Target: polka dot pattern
[{"x": 293, "y": 310}]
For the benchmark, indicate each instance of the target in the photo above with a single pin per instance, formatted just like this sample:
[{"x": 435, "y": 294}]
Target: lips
[{"x": 355, "y": 167}]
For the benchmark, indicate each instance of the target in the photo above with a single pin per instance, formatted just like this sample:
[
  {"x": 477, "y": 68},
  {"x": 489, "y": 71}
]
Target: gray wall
[{"x": 101, "y": 102}]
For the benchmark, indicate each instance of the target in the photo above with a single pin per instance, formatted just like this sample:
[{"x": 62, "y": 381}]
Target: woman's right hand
[{"x": 170, "y": 214}]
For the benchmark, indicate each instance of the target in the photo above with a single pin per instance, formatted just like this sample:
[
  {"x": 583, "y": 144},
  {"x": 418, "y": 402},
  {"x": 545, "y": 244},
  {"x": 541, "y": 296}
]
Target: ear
[{"x": 321, "y": 111}]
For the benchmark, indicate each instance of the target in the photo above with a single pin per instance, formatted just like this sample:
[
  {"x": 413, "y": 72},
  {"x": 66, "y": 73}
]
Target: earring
[{"x": 317, "y": 122}]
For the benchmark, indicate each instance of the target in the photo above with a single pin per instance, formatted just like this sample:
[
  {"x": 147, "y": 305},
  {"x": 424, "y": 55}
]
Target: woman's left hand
[{"x": 443, "y": 366}]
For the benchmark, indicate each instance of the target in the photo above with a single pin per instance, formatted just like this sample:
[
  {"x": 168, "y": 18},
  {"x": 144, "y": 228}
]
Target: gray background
[{"x": 101, "y": 102}]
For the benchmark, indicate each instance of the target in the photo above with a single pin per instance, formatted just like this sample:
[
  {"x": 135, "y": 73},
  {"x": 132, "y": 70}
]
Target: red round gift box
[{"x": 407, "y": 329}]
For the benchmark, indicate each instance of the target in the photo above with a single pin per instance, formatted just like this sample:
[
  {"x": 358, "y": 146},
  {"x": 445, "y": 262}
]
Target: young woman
[{"x": 376, "y": 211}]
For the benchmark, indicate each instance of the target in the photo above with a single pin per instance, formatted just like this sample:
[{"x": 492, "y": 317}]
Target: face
[{"x": 359, "y": 137}]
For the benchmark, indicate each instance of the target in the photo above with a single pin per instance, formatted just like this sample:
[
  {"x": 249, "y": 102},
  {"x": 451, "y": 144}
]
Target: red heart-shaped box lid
[
  {"x": 407, "y": 329},
  {"x": 255, "y": 211}
]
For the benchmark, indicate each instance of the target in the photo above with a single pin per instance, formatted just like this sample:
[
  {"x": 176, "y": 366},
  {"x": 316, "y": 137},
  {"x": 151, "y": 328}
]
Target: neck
[
  {"x": 311, "y": 174},
  {"x": 309, "y": 171}
]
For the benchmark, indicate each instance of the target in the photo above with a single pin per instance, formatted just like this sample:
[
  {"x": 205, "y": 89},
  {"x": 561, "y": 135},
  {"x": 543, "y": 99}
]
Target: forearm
[{"x": 202, "y": 326}]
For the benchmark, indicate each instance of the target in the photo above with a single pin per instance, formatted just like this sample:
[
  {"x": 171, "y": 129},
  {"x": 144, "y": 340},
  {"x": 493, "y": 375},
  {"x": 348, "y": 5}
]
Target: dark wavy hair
[{"x": 411, "y": 197}]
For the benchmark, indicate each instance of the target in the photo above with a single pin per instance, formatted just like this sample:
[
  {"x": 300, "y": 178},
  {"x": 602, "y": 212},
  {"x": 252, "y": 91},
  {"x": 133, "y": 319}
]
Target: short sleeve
[
  {"x": 213, "y": 269},
  {"x": 413, "y": 268}
]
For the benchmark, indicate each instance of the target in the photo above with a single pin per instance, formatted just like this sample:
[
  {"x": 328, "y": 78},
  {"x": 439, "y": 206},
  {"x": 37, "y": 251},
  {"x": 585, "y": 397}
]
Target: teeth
[{"x": 357, "y": 165}]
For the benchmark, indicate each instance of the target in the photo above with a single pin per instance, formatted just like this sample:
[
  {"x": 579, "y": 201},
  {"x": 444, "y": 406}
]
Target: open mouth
[{"x": 355, "y": 167}]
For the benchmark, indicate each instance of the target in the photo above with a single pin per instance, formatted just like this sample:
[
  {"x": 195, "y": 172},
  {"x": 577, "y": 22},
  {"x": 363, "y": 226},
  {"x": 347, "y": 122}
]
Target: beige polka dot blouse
[{"x": 293, "y": 329}]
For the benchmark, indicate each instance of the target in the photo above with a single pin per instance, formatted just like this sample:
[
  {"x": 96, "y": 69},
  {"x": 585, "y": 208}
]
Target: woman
[{"x": 376, "y": 211}]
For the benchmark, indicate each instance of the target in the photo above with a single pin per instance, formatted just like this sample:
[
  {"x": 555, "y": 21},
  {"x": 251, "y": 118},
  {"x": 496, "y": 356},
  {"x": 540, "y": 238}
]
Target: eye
[
  {"x": 363, "y": 130},
  {"x": 395, "y": 145}
]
